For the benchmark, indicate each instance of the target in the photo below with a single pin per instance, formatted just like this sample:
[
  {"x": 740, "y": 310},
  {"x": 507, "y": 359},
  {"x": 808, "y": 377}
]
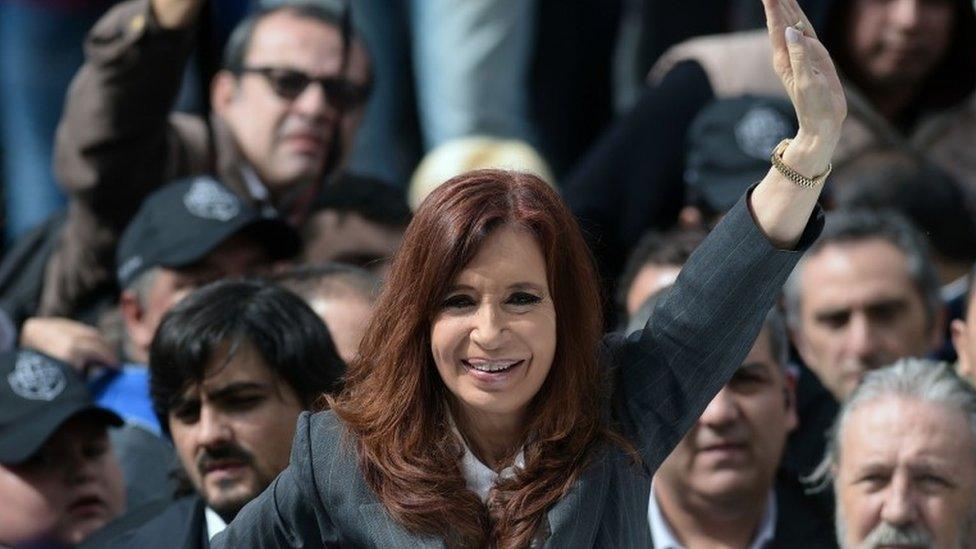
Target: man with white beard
[{"x": 902, "y": 458}]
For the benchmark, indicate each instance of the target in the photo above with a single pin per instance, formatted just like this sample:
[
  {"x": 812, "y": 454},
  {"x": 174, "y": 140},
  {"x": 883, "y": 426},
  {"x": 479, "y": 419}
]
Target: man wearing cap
[
  {"x": 59, "y": 479},
  {"x": 286, "y": 104},
  {"x": 185, "y": 234}
]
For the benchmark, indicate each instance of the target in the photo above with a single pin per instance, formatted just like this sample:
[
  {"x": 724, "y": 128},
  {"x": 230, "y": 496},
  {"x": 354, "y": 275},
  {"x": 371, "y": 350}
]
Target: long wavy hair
[{"x": 396, "y": 407}]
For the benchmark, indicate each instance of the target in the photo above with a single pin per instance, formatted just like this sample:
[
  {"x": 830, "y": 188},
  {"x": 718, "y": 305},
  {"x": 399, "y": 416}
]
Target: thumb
[{"x": 797, "y": 48}]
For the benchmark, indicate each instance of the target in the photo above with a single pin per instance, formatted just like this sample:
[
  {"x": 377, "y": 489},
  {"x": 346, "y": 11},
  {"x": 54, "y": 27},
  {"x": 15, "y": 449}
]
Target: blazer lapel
[{"x": 575, "y": 519}]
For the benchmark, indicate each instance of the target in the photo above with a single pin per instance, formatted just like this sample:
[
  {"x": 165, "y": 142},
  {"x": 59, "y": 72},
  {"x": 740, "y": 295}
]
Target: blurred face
[
  {"x": 348, "y": 237},
  {"x": 233, "y": 432},
  {"x": 649, "y": 280},
  {"x": 906, "y": 476},
  {"x": 964, "y": 340},
  {"x": 899, "y": 42},
  {"x": 859, "y": 310},
  {"x": 494, "y": 338},
  {"x": 72, "y": 487},
  {"x": 346, "y": 319},
  {"x": 287, "y": 140},
  {"x": 237, "y": 257},
  {"x": 735, "y": 447}
]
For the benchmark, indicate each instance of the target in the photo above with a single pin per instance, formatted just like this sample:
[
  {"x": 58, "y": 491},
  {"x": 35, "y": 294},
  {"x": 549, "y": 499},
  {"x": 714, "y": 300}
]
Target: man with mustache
[
  {"x": 902, "y": 458},
  {"x": 231, "y": 368},
  {"x": 285, "y": 106},
  {"x": 865, "y": 295},
  {"x": 59, "y": 478},
  {"x": 723, "y": 485}
]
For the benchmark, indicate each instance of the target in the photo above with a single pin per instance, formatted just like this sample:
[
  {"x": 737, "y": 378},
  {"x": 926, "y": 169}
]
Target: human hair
[
  {"x": 408, "y": 453},
  {"x": 141, "y": 285},
  {"x": 672, "y": 247},
  {"x": 373, "y": 199},
  {"x": 929, "y": 197},
  {"x": 239, "y": 42},
  {"x": 330, "y": 280},
  {"x": 924, "y": 380},
  {"x": 290, "y": 337},
  {"x": 852, "y": 226}
]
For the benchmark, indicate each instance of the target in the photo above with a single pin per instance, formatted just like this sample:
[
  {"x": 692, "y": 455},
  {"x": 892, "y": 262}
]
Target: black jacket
[{"x": 179, "y": 525}]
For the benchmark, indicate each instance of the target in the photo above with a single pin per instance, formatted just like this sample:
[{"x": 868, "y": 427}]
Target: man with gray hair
[
  {"x": 902, "y": 458},
  {"x": 863, "y": 296}
]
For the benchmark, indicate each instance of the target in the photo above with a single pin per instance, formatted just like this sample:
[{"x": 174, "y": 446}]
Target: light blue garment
[{"x": 126, "y": 392}]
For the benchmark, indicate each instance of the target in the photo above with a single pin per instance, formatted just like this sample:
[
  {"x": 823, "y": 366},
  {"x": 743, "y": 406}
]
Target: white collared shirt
[
  {"x": 215, "y": 524},
  {"x": 664, "y": 538}
]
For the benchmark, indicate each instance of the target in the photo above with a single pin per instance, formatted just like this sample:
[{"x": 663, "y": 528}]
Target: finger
[
  {"x": 796, "y": 45},
  {"x": 795, "y": 17}
]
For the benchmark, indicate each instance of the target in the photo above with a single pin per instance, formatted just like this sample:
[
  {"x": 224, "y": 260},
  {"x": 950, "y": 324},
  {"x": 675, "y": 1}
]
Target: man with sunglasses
[{"x": 285, "y": 106}]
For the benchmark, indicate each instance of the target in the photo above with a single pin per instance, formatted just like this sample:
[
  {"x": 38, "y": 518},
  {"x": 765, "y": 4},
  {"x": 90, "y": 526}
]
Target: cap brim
[
  {"x": 19, "y": 444},
  {"x": 279, "y": 239}
]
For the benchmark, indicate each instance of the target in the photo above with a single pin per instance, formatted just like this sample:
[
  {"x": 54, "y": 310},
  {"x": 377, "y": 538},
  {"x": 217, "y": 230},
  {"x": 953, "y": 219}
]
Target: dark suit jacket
[
  {"x": 179, "y": 525},
  {"x": 663, "y": 377}
]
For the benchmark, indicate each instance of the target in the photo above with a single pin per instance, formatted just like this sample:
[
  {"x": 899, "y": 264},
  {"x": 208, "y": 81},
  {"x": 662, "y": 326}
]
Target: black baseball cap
[
  {"x": 38, "y": 394},
  {"x": 729, "y": 144},
  {"x": 184, "y": 221}
]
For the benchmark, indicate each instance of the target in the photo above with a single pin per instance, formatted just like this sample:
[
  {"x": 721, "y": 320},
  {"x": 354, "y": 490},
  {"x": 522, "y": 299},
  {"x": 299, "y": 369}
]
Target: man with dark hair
[
  {"x": 285, "y": 107},
  {"x": 59, "y": 478},
  {"x": 231, "y": 368},
  {"x": 356, "y": 220},
  {"x": 342, "y": 295},
  {"x": 654, "y": 264}
]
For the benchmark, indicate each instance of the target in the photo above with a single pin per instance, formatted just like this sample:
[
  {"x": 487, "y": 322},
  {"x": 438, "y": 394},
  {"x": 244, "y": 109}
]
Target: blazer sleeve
[
  {"x": 289, "y": 513},
  {"x": 666, "y": 374}
]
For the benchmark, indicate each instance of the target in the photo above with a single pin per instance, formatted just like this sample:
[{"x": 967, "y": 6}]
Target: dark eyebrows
[
  {"x": 511, "y": 287},
  {"x": 231, "y": 389}
]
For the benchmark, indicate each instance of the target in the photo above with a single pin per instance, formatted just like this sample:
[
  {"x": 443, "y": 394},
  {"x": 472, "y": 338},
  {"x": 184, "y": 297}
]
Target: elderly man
[
  {"x": 864, "y": 296},
  {"x": 902, "y": 457},
  {"x": 285, "y": 106},
  {"x": 232, "y": 366},
  {"x": 722, "y": 485},
  {"x": 59, "y": 479}
]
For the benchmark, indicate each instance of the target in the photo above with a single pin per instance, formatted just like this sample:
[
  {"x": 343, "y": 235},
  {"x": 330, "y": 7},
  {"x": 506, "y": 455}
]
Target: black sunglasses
[{"x": 289, "y": 84}]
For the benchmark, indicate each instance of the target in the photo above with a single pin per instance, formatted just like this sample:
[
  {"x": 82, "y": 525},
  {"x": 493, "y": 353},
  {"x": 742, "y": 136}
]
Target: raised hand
[
  {"x": 807, "y": 72},
  {"x": 77, "y": 344},
  {"x": 172, "y": 14}
]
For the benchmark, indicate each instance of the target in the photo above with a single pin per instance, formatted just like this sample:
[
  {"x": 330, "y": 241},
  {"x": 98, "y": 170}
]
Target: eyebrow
[
  {"x": 894, "y": 302},
  {"x": 237, "y": 387},
  {"x": 516, "y": 286}
]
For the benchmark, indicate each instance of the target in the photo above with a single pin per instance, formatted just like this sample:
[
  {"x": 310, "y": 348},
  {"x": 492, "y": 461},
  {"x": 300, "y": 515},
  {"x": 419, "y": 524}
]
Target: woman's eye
[
  {"x": 523, "y": 298},
  {"x": 458, "y": 301}
]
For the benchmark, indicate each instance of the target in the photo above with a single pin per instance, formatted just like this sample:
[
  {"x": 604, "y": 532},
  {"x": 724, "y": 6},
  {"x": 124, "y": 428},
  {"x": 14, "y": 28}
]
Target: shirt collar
[
  {"x": 215, "y": 524},
  {"x": 663, "y": 537},
  {"x": 479, "y": 477}
]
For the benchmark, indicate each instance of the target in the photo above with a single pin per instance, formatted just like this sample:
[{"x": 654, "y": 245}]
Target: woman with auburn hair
[{"x": 486, "y": 411}]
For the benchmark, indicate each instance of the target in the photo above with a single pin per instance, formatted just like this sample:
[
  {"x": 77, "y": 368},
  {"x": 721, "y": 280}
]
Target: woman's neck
[{"x": 492, "y": 438}]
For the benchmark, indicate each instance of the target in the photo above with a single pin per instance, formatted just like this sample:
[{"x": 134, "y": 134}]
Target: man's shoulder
[{"x": 157, "y": 524}]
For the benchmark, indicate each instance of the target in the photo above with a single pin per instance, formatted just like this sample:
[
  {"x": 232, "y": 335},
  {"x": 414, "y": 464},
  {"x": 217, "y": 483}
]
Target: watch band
[{"x": 788, "y": 172}]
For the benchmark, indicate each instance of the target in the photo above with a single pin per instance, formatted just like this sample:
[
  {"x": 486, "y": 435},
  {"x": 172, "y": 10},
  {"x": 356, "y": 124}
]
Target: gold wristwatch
[{"x": 796, "y": 177}]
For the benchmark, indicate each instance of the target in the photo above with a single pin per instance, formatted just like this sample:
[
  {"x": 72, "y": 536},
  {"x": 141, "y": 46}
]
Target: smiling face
[
  {"x": 69, "y": 489},
  {"x": 233, "y": 432},
  {"x": 906, "y": 468},
  {"x": 494, "y": 338},
  {"x": 736, "y": 445}
]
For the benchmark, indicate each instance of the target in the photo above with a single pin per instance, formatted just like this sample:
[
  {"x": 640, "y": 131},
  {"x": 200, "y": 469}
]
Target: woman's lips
[
  {"x": 508, "y": 368},
  {"x": 87, "y": 506}
]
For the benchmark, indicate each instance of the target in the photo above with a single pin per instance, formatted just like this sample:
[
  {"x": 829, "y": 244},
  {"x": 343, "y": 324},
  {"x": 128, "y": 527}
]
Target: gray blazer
[{"x": 663, "y": 377}]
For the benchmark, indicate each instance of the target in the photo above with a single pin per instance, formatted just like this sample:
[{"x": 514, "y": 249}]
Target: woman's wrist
[{"x": 809, "y": 154}]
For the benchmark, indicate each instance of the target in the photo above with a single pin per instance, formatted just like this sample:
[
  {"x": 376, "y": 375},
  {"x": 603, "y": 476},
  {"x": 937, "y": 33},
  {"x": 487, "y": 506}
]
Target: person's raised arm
[{"x": 780, "y": 207}]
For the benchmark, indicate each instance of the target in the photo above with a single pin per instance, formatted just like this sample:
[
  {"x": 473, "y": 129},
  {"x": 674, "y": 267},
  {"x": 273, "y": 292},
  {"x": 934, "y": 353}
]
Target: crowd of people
[{"x": 743, "y": 316}]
